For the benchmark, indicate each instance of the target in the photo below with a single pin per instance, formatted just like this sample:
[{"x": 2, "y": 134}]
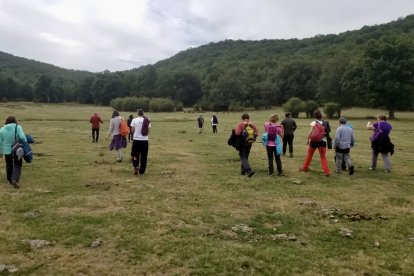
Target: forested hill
[
  {"x": 269, "y": 52},
  {"x": 372, "y": 65}
]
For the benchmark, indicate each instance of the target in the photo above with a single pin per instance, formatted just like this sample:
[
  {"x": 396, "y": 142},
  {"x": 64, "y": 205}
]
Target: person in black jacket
[{"x": 289, "y": 126}]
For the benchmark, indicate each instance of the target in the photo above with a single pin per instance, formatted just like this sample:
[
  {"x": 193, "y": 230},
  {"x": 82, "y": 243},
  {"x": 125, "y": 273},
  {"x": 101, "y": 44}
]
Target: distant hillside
[{"x": 28, "y": 70}]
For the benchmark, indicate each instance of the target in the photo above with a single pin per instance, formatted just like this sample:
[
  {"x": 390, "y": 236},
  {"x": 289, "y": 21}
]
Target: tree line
[{"x": 371, "y": 67}]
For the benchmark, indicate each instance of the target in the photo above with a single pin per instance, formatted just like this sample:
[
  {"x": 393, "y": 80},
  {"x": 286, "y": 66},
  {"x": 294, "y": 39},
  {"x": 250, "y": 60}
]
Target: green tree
[
  {"x": 384, "y": 75},
  {"x": 294, "y": 106}
]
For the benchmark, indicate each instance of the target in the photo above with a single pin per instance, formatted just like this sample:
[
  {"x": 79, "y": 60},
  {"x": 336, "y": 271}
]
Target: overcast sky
[{"x": 95, "y": 35}]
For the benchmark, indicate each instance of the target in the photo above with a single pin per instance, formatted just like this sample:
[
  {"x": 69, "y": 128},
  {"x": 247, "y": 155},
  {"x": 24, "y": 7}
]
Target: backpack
[
  {"x": 21, "y": 149},
  {"x": 318, "y": 132},
  {"x": 279, "y": 145},
  {"x": 123, "y": 128},
  {"x": 145, "y": 126},
  {"x": 271, "y": 132},
  {"x": 248, "y": 134}
]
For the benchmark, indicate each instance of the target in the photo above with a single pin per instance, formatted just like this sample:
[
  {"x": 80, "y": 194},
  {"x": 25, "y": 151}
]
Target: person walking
[
  {"x": 344, "y": 140},
  {"x": 95, "y": 120},
  {"x": 200, "y": 121},
  {"x": 140, "y": 127},
  {"x": 118, "y": 142},
  {"x": 131, "y": 133},
  {"x": 10, "y": 133},
  {"x": 381, "y": 142},
  {"x": 247, "y": 132},
  {"x": 289, "y": 127},
  {"x": 273, "y": 129},
  {"x": 316, "y": 145},
  {"x": 214, "y": 123}
]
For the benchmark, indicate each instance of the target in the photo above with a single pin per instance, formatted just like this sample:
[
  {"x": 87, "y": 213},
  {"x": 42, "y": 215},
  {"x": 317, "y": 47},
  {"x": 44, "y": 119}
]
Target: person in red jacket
[{"x": 95, "y": 120}]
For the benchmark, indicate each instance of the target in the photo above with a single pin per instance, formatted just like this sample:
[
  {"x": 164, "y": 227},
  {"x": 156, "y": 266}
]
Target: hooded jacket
[{"x": 8, "y": 135}]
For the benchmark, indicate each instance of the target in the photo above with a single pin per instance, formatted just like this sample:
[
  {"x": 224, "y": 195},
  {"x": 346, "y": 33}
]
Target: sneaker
[
  {"x": 291, "y": 155},
  {"x": 250, "y": 174},
  {"x": 387, "y": 171},
  {"x": 327, "y": 175},
  {"x": 371, "y": 168},
  {"x": 136, "y": 169},
  {"x": 15, "y": 185},
  {"x": 242, "y": 172},
  {"x": 351, "y": 170},
  {"x": 280, "y": 174},
  {"x": 271, "y": 174},
  {"x": 338, "y": 171}
]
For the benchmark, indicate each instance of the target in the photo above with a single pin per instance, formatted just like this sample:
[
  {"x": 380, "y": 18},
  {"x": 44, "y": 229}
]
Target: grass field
[{"x": 192, "y": 212}]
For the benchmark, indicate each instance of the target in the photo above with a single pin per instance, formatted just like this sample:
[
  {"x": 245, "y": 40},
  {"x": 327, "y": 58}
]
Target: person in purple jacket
[{"x": 381, "y": 142}]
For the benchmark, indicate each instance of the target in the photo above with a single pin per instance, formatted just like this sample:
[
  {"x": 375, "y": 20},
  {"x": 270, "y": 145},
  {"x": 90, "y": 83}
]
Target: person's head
[
  {"x": 245, "y": 116},
  {"x": 10, "y": 120},
  {"x": 342, "y": 120},
  {"x": 317, "y": 114},
  {"x": 131, "y": 116},
  {"x": 381, "y": 117},
  {"x": 273, "y": 118},
  {"x": 140, "y": 112},
  {"x": 287, "y": 114},
  {"x": 115, "y": 114}
]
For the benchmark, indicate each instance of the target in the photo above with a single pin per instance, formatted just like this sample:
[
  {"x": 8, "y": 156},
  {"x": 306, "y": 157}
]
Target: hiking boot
[
  {"x": 242, "y": 172},
  {"x": 372, "y": 168},
  {"x": 15, "y": 185},
  {"x": 250, "y": 174},
  {"x": 136, "y": 171},
  {"x": 291, "y": 155},
  {"x": 351, "y": 170}
]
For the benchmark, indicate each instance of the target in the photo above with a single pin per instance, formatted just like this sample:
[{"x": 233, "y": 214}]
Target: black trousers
[
  {"x": 288, "y": 140},
  {"x": 271, "y": 152},
  {"x": 244, "y": 153},
  {"x": 139, "y": 154},
  {"x": 95, "y": 134},
  {"x": 13, "y": 168}
]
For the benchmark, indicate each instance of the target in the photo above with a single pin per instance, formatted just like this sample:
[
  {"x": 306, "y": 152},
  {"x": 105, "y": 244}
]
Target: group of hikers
[{"x": 278, "y": 136}]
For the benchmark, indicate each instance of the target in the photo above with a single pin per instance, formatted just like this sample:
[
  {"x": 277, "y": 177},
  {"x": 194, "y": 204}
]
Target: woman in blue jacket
[{"x": 9, "y": 134}]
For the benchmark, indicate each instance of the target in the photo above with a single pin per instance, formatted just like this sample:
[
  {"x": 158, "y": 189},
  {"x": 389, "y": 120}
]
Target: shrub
[
  {"x": 130, "y": 103},
  {"x": 161, "y": 105},
  {"x": 332, "y": 110},
  {"x": 294, "y": 106},
  {"x": 309, "y": 107},
  {"x": 235, "y": 106}
]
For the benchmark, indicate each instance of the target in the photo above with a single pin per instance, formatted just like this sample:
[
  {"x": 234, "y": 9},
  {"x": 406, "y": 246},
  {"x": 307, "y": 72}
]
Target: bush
[
  {"x": 130, "y": 103},
  {"x": 294, "y": 106},
  {"x": 161, "y": 105},
  {"x": 235, "y": 106},
  {"x": 309, "y": 107},
  {"x": 332, "y": 110}
]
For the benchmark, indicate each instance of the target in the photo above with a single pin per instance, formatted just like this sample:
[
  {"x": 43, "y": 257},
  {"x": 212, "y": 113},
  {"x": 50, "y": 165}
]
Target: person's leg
[
  {"x": 244, "y": 158},
  {"x": 387, "y": 163},
  {"x": 338, "y": 161},
  {"x": 119, "y": 154},
  {"x": 349, "y": 164},
  {"x": 97, "y": 135},
  {"x": 144, "y": 154},
  {"x": 93, "y": 135},
  {"x": 285, "y": 142},
  {"x": 374, "y": 158},
  {"x": 308, "y": 158},
  {"x": 270, "y": 151},
  {"x": 278, "y": 164},
  {"x": 17, "y": 171},
  {"x": 9, "y": 167},
  {"x": 324, "y": 161},
  {"x": 290, "y": 142}
]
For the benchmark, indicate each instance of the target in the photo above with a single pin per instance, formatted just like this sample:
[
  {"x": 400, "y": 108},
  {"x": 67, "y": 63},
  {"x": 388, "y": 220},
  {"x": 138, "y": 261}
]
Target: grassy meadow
[{"x": 192, "y": 212}]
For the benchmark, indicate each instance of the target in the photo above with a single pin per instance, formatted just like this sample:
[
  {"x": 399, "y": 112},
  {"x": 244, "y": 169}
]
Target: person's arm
[
  {"x": 100, "y": 120},
  {"x": 111, "y": 128},
  {"x": 370, "y": 126},
  {"x": 20, "y": 134},
  {"x": 294, "y": 125},
  {"x": 337, "y": 137}
]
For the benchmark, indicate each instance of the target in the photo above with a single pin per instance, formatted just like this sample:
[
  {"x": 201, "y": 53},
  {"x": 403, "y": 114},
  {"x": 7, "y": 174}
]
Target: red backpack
[{"x": 318, "y": 132}]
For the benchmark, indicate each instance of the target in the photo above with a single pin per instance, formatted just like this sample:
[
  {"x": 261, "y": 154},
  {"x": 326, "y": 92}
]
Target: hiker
[
  {"x": 381, "y": 142},
  {"x": 247, "y": 132},
  {"x": 214, "y": 123},
  {"x": 9, "y": 134},
  {"x": 118, "y": 141},
  {"x": 343, "y": 164},
  {"x": 273, "y": 129},
  {"x": 316, "y": 140},
  {"x": 289, "y": 127},
  {"x": 95, "y": 120},
  {"x": 200, "y": 121},
  {"x": 139, "y": 152},
  {"x": 344, "y": 140},
  {"x": 130, "y": 134}
]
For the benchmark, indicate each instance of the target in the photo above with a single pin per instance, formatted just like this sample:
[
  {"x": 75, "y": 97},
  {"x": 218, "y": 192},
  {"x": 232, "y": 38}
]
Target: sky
[{"x": 117, "y": 35}]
